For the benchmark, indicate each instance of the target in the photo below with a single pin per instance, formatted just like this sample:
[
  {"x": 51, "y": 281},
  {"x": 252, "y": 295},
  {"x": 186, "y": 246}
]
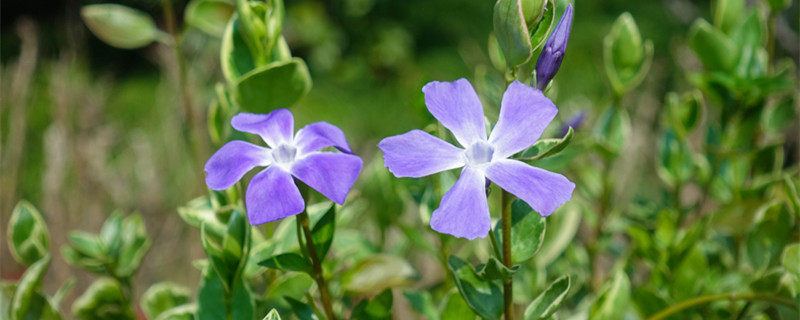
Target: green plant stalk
[
  {"x": 663, "y": 314},
  {"x": 316, "y": 264},
  {"x": 196, "y": 137},
  {"x": 508, "y": 294},
  {"x": 495, "y": 245}
]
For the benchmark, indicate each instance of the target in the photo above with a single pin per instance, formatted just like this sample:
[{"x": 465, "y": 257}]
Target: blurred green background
[{"x": 86, "y": 128}]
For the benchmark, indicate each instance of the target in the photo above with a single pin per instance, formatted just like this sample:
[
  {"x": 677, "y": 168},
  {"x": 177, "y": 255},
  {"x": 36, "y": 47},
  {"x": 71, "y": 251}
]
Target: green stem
[
  {"x": 508, "y": 294},
  {"x": 772, "y": 22},
  {"x": 316, "y": 264},
  {"x": 495, "y": 246},
  {"x": 722, "y": 296}
]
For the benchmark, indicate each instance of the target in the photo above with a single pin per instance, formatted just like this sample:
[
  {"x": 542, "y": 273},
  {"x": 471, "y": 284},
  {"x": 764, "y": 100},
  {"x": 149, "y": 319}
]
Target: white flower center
[
  {"x": 284, "y": 154},
  {"x": 479, "y": 153}
]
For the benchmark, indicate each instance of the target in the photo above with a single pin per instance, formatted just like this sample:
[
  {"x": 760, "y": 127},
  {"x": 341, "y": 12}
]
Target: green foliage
[
  {"x": 527, "y": 231},
  {"x": 121, "y": 26},
  {"x": 28, "y": 236},
  {"x": 104, "y": 299},
  {"x": 272, "y": 315},
  {"x": 277, "y": 85},
  {"x": 377, "y": 273},
  {"x": 484, "y": 297},
  {"x": 210, "y": 16},
  {"x": 626, "y": 57},
  {"x": 117, "y": 251},
  {"x": 548, "y": 147},
  {"x": 548, "y": 301},
  {"x": 163, "y": 296},
  {"x": 379, "y": 307},
  {"x": 613, "y": 301},
  {"x": 512, "y": 32}
]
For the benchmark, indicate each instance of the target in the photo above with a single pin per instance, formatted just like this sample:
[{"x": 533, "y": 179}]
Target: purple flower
[
  {"x": 464, "y": 212},
  {"x": 574, "y": 121},
  {"x": 553, "y": 52},
  {"x": 272, "y": 193}
]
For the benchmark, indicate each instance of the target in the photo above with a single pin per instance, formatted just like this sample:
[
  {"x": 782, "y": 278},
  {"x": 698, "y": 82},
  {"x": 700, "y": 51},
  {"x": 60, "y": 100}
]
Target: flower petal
[
  {"x": 320, "y": 135},
  {"x": 272, "y": 195},
  {"x": 330, "y": 173},
  {"x": 524, "y": 114},
  {"x": 543, "y": 190},
  {"x": 275, "y": 128},
  {"x": 464, "y": 211},
  {"x": 417, "y": 154},
  {"x": 232, "y": 161},
  {"x": 456, "y": 105}
]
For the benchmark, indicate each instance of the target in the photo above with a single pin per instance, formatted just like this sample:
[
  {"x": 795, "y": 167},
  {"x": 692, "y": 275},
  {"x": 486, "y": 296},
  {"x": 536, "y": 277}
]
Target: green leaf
[
  {"x": 548, "y": 301},
  {"x": 779, "y": 5},
  {"x": 210, "y": 16},
  {"x": 163, "y": 296},
  {"x": 120, "y": 26},
  {"x": 27, "y": 287},
  {"x": 542, "y": 29},
  {"x": 649, "y": 302},
  {"x": 422, "y": 303},
  {"x": 182, "y": 312},
  {"x": 496, "y": 270},
  {"x": 210, "y": 293},
  {"x": 613, "y": 301},
  {"x": 547, "y": 147},
  {"x": 379, "y": 307},
  {"x": 302, "y": 310},
  {"x": 527, "y": 231},
  {"x": 236, "y": 59},
  {"x": 484, "y": 297},
  {"x": 790, "y": 260},
  {"x": 322, "y": 233},
  {"x": 272, "y": 315},
  {"x": 612, "y": 130},
  {"x": 28, "y": 237},
  {"x": 110, "y": 233},
  {"x": 288, "y": 262},
  {"x": 87, "y": 243},
  {"x": 689, "y": 276},
  {"x": 288, "y": 285},
  {"x": 770, "y": 233},
  {"x": 676, "y": 165},
  {"x": 378, "y": 272},
  {"x": 103, "y": 299},
  {"x": 455, "y": 308},
  {"x": 748, "y": 32},
  {"x": 212, "y": 247},
  {"x": 626, "y": 57},
  {"x": 135, "y": 244},
  {"x": 276, "y": 85},
  {"x": 236, "y": 243},
  {"x": 728, "y": 14},
  {"x": 714, "y": 48},
  {"x": 512, "y": 32}
]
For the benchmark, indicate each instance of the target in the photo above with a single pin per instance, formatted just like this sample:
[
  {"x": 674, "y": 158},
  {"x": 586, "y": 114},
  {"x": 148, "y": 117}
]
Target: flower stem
[
  {"x": 316, "y": 264},
  {"x": 508, "y": 295},
  {"x": 722, "y": 296}
]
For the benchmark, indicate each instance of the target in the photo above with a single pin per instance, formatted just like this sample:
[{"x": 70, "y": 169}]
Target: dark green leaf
[
  {"x": 548, "y": 301},
  {"x": 527, "y": 231},
  {"x": 484, "y": 297},
  {"x": 288, "y": 262},
  {"x": 379, "y": 307},
  {"x": 277, "y": 85},
  {"x": 512, "y": 32},
  {"x": 28, "y": 237},
  {"x": 300, "y": 309},
  {"x": 210, "y": 296},
  {"x": 322, "y": 234},
  {"x": 496, "y": 270}
]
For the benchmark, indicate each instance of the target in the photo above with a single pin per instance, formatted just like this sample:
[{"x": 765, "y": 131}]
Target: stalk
[
  {"x": 303, "y": 221},
  {"x": 508, "y": 294}
]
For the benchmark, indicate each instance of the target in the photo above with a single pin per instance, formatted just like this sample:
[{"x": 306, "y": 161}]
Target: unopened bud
[{"x": 553, "y": 52}]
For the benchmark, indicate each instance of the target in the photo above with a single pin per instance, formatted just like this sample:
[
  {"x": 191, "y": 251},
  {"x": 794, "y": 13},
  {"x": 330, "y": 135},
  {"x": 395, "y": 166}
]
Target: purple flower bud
[
  {"x": 574, "y": 121},
  {"x": 553, "y": 52}
]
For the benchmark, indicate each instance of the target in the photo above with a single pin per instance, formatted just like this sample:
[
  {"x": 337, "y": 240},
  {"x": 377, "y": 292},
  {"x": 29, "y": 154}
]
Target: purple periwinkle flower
[
  {"x": 272, "y": 193},
  {"x": 553, "y": 52},
  {"x": 574, "y": 121},
  {"x": 464, "y": 212}
]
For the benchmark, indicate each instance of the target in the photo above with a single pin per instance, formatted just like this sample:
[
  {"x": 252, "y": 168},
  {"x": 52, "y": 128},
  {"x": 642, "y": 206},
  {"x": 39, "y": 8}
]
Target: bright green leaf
[
  {"x": 547, "y": 147},
  {"x": 527, "y": 231},
  {"x": 288, "y": 262},
  {"x": 103, "y": 299},
  {"x": 378, "y": 272},
  {"x": 770, "y": 233},
  {"x": 612, "y": 303},
  {"x": 27, "y": 287},
  {"x": 495, "y": 270},
  {"x": 210, "y": 16},
  {"x": 28, "y": 237},
  {"x": 163, "y": 296}
]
